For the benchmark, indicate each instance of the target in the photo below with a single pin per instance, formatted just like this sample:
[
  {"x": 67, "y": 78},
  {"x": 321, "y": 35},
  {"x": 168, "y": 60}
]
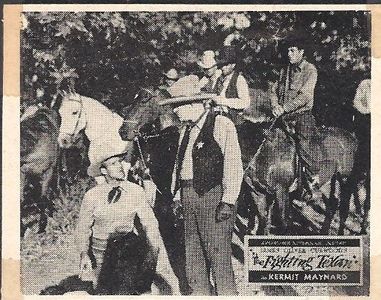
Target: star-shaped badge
[{"x": 199, "y": 145}]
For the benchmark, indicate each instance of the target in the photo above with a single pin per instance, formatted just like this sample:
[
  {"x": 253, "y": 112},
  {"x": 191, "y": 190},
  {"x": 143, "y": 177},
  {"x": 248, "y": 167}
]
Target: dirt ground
[
  {"x": 58, "y": 262},
  {"x": 49, "y": 257}
]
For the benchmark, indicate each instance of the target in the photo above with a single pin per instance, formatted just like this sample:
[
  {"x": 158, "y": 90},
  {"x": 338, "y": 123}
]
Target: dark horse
[
  {"x": 274, "y": 167},
  {"x": 360, "y": 175},
  {"x": 39, "y": 154},
  {"x": 155, "y": 134},
  {"x": 270, "y": 169}
]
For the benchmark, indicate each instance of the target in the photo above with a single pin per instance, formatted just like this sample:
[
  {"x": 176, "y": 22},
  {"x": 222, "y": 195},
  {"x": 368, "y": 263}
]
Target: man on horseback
[
  {"x": 361, "y": 103},
  {"x": 231, "y": 89},
  {"x": 211, "y": 71},
  {"x": 292, "y": 99},
  {"x": 171, "y": 76},
  {"x": 207, "y": 175},
  {"x": 108, "y": 211}
]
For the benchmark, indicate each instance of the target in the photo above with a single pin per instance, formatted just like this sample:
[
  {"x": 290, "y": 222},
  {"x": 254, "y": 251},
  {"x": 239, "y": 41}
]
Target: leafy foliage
[
  {"x": 61, "y": 225},
  {"x": 109, "y": 55}
]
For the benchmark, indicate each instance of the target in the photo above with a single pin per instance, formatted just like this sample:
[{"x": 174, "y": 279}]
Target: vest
[
  {"x": 208, "y": 160},
  {"x": 231, "y": 91}
]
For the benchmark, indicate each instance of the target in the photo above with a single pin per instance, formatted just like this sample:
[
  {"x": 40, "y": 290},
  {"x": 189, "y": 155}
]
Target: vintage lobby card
[
  {"x": 312, "y": 260},
  {"x": 190, "y": 150}
]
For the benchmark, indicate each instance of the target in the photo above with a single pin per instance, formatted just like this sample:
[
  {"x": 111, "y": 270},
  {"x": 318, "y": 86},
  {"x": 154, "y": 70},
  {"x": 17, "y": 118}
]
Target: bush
[
  {"x": 61, "y": 225},
  {"x": 109, "y": 55}
]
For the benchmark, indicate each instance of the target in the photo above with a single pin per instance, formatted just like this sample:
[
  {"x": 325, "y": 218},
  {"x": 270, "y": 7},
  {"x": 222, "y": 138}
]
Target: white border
[
  {"x": 10, "y": 184},
  {"x": 188, "y": 7}
]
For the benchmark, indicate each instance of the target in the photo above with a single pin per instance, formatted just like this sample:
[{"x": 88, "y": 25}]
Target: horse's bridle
[{"x": 145, "y": 137}]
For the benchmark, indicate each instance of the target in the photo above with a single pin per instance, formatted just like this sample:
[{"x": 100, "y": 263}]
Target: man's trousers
[
  {"x": 309, "y": 148},
  {"x": 207, "y": 242}
]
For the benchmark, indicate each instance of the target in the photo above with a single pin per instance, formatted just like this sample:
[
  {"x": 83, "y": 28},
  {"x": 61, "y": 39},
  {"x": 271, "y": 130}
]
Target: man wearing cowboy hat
[
  {"x": 209, "y": 66},
  {"x": 207, "y": 175},
  {"x": 109, "y": 209},
  {"x": 170, "y": 77},
  {"x": 231, "y": 88},
  {"x": 293, "y": 98}
]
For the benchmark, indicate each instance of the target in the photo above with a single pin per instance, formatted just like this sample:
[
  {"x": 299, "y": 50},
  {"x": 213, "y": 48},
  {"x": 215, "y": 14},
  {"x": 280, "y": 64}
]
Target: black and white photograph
[{"x": 212, "y": 152}]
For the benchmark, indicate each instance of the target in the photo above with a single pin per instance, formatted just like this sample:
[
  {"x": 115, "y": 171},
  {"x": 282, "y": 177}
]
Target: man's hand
[
  {"x": 219, "y": 100},
  {"x": 177, "y": 209},
  {"x": 150, "y": 190},
  {"x": 278, "y": 110},
  {"x": 224, "y": 211},
  {"x": 85, "y": 268}
]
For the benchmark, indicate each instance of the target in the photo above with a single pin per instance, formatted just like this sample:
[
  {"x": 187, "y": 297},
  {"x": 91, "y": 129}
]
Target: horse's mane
[
  {"x": 106, "y": 114},
  {"x": 98, "y": 104}
]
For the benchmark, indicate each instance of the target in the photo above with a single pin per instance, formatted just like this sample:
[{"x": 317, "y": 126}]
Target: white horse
[{"x": 100, "y": 125}]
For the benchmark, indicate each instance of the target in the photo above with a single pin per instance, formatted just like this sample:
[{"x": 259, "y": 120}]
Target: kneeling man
[{"x": 111, "y": 208}]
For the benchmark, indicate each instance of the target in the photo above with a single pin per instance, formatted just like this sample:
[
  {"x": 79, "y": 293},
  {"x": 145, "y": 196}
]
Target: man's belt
[{"x": 186, "y": 183}]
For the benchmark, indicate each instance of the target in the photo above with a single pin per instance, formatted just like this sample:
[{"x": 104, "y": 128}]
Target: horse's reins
[
  {"x": 147, "y": 137},
  {"x": 272, "y": 125},
  {"x": 136, "y": 139}
]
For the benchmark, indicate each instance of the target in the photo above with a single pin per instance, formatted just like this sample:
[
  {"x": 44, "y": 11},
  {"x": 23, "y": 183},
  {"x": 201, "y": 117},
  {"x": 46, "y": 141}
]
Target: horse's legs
[
  {"x": 284, "y": 207},
  {"x": 364, "y": 224},
  {"x": 258, "y": 206},
  {"x": 270, "y": 201},
  {"x": 172, "y": 232},
  {"x": 345, "y": 195},
  {"x": 45, "y": 206},
  {"x": 331, "y": 205},
  {"x": 246, "y": 210},
  {"x": 356, "y": 201},
  {"x": 261, "y": 211}
]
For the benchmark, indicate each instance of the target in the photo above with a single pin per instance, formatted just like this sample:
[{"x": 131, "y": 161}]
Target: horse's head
[
  {"x": 73, "y": 119},
  {"x": 276, "y": 151},
  {"x": 145, "y": 113},
  {"x": 28, "y": 111}
]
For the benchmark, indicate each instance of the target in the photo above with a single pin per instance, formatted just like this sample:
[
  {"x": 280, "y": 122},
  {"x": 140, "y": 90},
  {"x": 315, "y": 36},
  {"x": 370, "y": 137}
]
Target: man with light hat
[
  {"x": 209, "y": 66},
  {"x": 207, "y": 179},
  {"x": 110, "y": 209}
]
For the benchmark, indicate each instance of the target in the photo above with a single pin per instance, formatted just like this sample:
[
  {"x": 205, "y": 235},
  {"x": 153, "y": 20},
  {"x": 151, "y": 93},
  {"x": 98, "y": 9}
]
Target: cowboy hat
[
  {"x": 228, "y": 55},
  {"x": 94, "y": 169},
  {"x": 185, "y": 86},
  {"x": 177, "y": 101},
  {"x": 185, "y": 90},
  {"x": 171, "y": 74},
  {"x": 207, "y": 60},
  {"x": 299, "y": 39}
]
